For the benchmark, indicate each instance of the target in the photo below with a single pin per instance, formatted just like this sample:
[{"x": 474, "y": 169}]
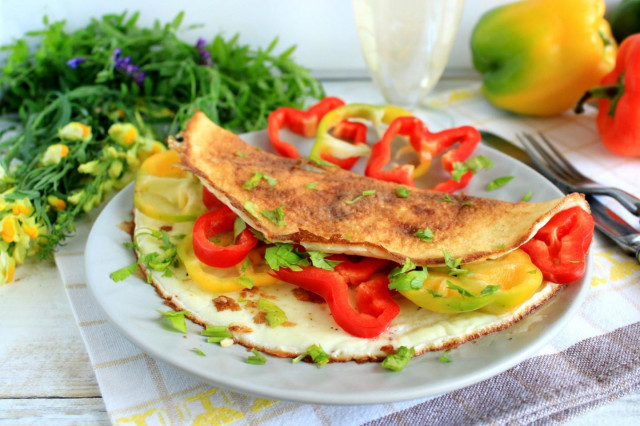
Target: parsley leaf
[
  {"x": 318, "y": 355},
  {"x": 499, "y": 182},
  {"x": 322, "y": 162},
  {"x": 367, "y": 193},
  {"x": 238, "y": 227},
  {"x": 175, "y": 320},
  {"x": 453, "y": 264},
  {"x": 406, "y": 267},
  {"x": 251, "y": 208},
  {"x": 425, "y": 234},
  {"x": 318, "y": 259},
  {"x": 275, "y": 316},
  {"x": 463, "y": 292},
  {"x": 490, "y": 289},
  {"x": 444, "y": 358},
  {"x": 241, "y": 154},
  {"x": 402, "y": 192},
  {"x": 527, "y": 196},
  {"x": 123, "y": 273},
  {"x": 399, "y": 360},
  {"x": 276, "y": 216},
  {"x": 284, "y": 256},
  {"x": 447, "y": 198},
  {"x": 199, "y": 352},
  {"x": 411, "y": 280},
  {"x": 245, "y": 281},
  {"x": 434, "y": 293},
  {"x": 472, "y": 164},
  {"x": 256, "y": 178},
  {"x": 311, "y": 185}
]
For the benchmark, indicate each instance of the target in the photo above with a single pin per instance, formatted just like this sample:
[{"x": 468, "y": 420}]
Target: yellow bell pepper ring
[
  {"x": 221, "y": 280},
  {"x": 162, "y": 164},
  {"x": 511, "y": 280},
  {"x": 539, "y": 56},
  {"x": 327, "y": 144}
]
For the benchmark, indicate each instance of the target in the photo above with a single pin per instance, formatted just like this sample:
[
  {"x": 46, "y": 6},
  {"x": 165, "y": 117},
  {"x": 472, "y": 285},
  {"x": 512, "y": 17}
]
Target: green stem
[{"x": 612, "y": 92}]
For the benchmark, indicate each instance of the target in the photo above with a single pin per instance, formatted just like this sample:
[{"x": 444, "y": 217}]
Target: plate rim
[{"x": 374, "y": 396}]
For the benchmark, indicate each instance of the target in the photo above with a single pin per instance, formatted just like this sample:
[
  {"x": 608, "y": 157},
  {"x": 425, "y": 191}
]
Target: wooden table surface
[{"x": 46, "y": 376}]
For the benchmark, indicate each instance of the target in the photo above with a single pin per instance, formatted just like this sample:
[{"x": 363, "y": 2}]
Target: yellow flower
[
  {"x": 123, "y": 133},
  {"x": 9, "y": 228},
  {"x": 7, "y": 267},
  {"x": 115, "y": 169},
  {"x": 57, "y": 203},
  {"x": 54, "y": 154},
  {"x": 21, "y": 248},
  {"x": 75, "y": 131},
  {"x": 89, "y": 167},
  {"x": 22, "y": 207}
]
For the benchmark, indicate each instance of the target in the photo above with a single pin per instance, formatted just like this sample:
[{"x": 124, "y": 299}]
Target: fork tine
[
  {"x": 562, "y": 159},
  {"x": 541, "y": 166},
  {"x": 551, "y": 163}
]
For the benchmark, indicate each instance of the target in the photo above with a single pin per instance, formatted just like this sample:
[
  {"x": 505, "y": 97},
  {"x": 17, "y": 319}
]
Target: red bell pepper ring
[
  {"x": 559, "y": 248},
  {"x": 303, "y": 123},
  {"x": 348, "y": 131},
  {"x": 376, "y": 307},
  {"x": 216, "y": 222},
  {"x": 355, "y": 273},
  {"x": 209, "y": 200},
  {"x": 427, "y": 145}
]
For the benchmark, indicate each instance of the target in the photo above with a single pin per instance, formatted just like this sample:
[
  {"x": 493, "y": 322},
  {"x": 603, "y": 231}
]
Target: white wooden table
[{"x": 45, "y": 373}]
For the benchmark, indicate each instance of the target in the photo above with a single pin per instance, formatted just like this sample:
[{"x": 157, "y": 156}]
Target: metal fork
[{"x": 557, "y": 169}]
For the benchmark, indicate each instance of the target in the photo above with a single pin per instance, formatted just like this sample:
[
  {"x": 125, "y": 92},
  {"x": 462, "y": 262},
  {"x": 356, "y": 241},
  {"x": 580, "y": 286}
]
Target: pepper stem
[{"x": 612, "y": 92}]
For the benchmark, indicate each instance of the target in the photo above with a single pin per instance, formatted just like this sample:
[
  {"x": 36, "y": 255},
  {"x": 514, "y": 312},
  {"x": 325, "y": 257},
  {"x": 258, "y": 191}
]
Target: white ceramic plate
[{"x": 131, "y": 306}]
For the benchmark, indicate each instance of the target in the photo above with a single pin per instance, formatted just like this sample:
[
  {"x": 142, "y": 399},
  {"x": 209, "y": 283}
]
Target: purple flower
[
  {"x": 139, "y": 77},
  {"x": 116, "y": 53},
  {"x": 125, "y": 65},
  {"x": 74, "y": 62},
  {"x": 205, "y": 55}
]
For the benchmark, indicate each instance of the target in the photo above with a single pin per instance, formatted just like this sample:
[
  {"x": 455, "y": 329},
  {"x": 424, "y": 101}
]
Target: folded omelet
[{"x": 335, "y": 211}]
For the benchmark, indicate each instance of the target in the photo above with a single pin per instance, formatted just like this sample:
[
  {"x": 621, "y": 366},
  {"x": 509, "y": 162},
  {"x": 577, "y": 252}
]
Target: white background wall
[{"x": 324, "y": 30}]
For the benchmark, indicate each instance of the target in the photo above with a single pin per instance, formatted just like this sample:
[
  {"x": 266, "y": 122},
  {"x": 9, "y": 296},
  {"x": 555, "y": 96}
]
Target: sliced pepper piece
[
  {"x": 304, "y": 123},
  {"x": 355, "y": 273},
  {"x": 169, "y": 199},
  {"x": 217, "y": 222},
  {"x": 222, "y": 280},
  {"x": 210, "y": 200},
  {"x": 427, "y": 145},
  {"x": 560, "y": 247},
  {"x": 515, "y": 275},
  {"x": 375, "y": 306},
  {"x": 348, "y": 131},
  {"x": 328, "y": 144}
]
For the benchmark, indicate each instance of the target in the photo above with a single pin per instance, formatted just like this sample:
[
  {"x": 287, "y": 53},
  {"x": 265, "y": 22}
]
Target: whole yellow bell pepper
[{"x": 539, "y": 56}]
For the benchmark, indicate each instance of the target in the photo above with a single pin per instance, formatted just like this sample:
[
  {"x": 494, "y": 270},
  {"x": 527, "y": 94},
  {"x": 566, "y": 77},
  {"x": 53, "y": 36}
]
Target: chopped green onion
[
  {"x": 318, "y": 355},
  {"x": 124, "y": 273},
  {"x": 444, "y": 358},
  {"x": 245, "y": 281},
  {"x": 175, "y": 319},
  {"x": 527, "y": 196},
  {"x": 257, "y": 358},
  {"x": 199, "y": 352}
]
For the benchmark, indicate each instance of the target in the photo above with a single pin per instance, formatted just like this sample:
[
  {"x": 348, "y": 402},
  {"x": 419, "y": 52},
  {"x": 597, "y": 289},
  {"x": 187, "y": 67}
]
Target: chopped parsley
[
  {"x": 284, "y": 256},
  {"x": 319, "y": 260},
  {"x": 472, "y": 164},
  {"x": 367, "y": 193},
  {"x": 216, "y": 333},
  {"x": 434, "y": 293},
  {"x": 276, "y": 216},
  {"x": 311, "y": 185},
  {"x": 275, "y": 316},
  {"x": 155, "y": 261},
  {"x": 238, "y": 227},
  {"x": 241, "y": 154},
  {"x": 453, "y": 264},
  {"x": 533, "y": 271},
  {"x": 245, "y": 281},
  {"x": 257, "y": 358},
  {"x": 175, "y": 320},
  {"x": 499, "y": 182},
  {"x": 425, "y": 234},
  {"x": 257, "y": 178},
  {"x": 446, "y": 198},
  {"x": 402, "y": 192},
  {"x": 490, "y": 289},
  {"x": 322, "y": 162},
  {"x": 444, "y": 359},
  {"x": 527, "y": 196},
  {"x": 463, "y": 292},
  {"x": 251, "y": 208},
  {"x": 199, "y": 352},
  {"x": 318, "y": 355},
  {"x": 399, "y": 360},
  {"x": 407, "y": 277},
  {"x": 467, "y": 204}
]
